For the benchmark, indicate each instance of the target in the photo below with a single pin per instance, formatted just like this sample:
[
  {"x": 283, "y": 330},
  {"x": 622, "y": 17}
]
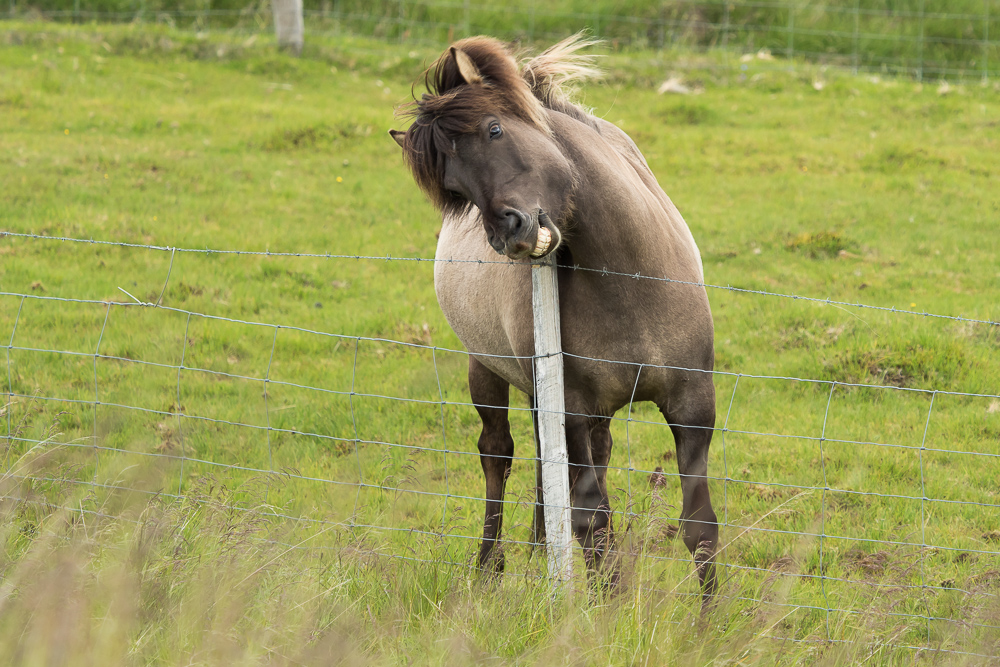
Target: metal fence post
[{"x": 551, "y": 406}]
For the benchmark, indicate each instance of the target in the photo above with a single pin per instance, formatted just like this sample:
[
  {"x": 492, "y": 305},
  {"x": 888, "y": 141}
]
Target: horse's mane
[
  {"x": 452, "y": 107},
  {"x": 553, "y": 74}
]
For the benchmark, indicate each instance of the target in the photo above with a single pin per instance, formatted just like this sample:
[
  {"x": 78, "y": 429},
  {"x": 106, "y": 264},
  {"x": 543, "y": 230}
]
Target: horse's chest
[{"x": 481, "y": 301}]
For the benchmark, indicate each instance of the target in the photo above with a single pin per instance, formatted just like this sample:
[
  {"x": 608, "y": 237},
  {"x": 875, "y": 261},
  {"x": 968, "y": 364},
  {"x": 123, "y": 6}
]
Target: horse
[{"x": 515, "y": 167}]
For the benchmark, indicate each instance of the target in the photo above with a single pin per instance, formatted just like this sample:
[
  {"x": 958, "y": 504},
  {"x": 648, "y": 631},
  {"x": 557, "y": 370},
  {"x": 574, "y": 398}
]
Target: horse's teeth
[{"x": 542, "y": 242}]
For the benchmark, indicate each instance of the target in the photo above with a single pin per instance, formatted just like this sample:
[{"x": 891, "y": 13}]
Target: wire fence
[
  {"x": 373, "y": 435},
  {"x": 920, "y": 38}
]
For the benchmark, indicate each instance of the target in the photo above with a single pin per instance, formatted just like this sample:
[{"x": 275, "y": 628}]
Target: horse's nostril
[{"x": 513, "y": 220}]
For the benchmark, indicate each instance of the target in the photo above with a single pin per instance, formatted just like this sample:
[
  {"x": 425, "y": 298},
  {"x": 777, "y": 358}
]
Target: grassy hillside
[{"x": 277, "y": 465}]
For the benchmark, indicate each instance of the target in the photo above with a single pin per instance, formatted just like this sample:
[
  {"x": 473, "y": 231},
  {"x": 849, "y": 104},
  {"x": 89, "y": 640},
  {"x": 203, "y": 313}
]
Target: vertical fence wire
[
  {"x": 444, "y": 441},
  {"x": 97, "y": 396},
  {"x": 628, "y": 434},
  {"x": 923, "y": 520},
  {"x": 170, "y": 268},
  {"x": 357, "y": 437},
  {"x": 9, "y": 403},
  {"x": 826, "y": 489},
  {"x": 267, "y": 410},
  {"x": 178, "y": 410},
  {"x": 725, "y": 460}
]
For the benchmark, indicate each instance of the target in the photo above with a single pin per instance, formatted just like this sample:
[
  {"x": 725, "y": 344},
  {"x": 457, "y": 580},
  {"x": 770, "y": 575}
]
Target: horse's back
[{"x": 628, "y": 150}]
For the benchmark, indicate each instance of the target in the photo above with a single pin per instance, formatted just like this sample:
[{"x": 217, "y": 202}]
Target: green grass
[{"x": 878, "y": 191}]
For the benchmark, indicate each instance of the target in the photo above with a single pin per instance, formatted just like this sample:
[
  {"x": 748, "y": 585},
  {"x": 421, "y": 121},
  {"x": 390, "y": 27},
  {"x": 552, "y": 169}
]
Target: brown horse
[{"x": 498, "y": 147}]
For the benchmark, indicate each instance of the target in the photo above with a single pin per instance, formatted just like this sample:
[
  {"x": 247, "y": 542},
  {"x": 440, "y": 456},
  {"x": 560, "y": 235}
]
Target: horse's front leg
[
  {"x": 591, "y": 514},
  {"x": 538, "y": 523},
  {"x": 491, "y": 395}
]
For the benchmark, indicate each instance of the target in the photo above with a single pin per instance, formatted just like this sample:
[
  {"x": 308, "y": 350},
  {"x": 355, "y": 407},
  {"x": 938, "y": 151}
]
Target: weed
[
  {"x": 819, "y": 244},
  {"x": 319, "y": 136},
  {"x": 688, "y": 114}
]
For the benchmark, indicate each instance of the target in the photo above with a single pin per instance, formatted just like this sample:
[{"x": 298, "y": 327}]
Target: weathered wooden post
[
  {"x": 551, "y": 414},
  {"x": 288, "y": 24}
]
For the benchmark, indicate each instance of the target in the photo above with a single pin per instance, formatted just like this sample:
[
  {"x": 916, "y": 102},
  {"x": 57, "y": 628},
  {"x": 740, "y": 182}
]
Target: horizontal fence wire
[
  {"x": 358, "y": 257},
  {"x": 862, "y": 35},
  {"x": 457, "y": 530}
]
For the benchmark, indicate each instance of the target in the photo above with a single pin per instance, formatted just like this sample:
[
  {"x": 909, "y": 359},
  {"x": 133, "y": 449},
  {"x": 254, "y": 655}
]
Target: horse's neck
[{"x": 623, "y": 221}]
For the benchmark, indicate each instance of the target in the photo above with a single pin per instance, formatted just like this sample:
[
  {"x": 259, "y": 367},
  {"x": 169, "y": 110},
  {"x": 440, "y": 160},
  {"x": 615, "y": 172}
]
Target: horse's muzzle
[{"x": 519, "y": 236}]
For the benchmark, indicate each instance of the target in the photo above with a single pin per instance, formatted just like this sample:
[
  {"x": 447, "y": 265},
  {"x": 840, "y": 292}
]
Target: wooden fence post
[
  {"x": 551, "y": 414},
  {"x": 288, "y": 24}
]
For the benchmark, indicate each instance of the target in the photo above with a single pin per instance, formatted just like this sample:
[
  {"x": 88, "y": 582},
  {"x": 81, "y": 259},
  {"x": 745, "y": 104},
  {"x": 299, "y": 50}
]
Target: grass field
[{"x": 129, "y": 536}]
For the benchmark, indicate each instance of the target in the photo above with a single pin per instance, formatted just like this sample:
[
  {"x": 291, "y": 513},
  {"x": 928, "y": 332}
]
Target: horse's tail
[{"x": 552, "y": 73}]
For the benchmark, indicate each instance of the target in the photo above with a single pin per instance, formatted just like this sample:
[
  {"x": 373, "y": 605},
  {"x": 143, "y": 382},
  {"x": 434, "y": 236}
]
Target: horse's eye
[
  {"x": 495, "y": 131},
  {"x": 455, "y": 195}
]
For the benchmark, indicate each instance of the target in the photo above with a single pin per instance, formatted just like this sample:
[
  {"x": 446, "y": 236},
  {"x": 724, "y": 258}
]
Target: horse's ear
[
  {"x": 398, "y": 137},
  {"x": 466, "y": 67}
]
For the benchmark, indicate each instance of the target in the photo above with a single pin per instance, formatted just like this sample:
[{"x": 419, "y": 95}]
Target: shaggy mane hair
[{"x": 452, "y": 107}]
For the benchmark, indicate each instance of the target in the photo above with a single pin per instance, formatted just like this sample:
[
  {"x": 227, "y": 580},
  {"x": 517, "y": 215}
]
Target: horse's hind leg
[
  {"x": 600, "y": 450},
  {"x": 692, "y": 418},
  {"x": 491, "y": 396}
]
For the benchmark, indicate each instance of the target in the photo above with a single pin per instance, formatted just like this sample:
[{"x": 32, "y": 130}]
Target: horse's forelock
[{"x": 503, "y": 89}]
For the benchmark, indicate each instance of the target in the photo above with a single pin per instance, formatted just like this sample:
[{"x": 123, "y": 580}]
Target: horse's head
[{"x": 481, "y": 140}]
